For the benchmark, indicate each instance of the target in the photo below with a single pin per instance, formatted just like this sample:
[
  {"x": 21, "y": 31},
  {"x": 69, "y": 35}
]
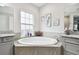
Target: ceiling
[
  {"x": 42, "y": 4},
  {"x": 39, "y": 4}
]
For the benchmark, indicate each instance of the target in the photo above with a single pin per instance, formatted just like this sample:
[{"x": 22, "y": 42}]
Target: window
[{"x": 26, "y": 24}]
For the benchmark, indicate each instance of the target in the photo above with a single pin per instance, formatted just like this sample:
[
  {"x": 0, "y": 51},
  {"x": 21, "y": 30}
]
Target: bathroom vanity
[
  {"x": 6, "y": 30},
  {"x": 71, "y": 44},
  {"x": 6, "y": 44}
]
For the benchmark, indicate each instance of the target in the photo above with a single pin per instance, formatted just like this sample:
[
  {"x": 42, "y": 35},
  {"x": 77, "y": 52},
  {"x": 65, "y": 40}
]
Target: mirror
[
  {"x": 76, "y": 23},
  {"x": 6, "y": 18},
  {"x": 71, "y": 17}
]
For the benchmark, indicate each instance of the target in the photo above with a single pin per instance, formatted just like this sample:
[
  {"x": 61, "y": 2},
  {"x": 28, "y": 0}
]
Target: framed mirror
[{"x": 6, "y": 18}]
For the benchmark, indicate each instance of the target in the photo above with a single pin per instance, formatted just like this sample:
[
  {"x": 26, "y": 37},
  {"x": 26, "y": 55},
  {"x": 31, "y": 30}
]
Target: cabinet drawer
[
  {"x": 72, "y": 40},
  {"x": 68, "y": 53},
  {"x": 72, "y": 47},
  {"x": 6, "y": 48},
  {"x": 7, "y": 39}
]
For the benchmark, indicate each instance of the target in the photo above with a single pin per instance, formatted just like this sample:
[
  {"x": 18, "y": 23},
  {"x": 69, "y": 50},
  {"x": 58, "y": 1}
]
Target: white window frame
[{"x": 27, "y": 30}]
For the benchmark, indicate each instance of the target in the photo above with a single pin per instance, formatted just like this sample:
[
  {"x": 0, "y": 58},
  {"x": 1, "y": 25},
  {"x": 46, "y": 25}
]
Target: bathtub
[
  {"x": 38, "y": 46},
  {"x": 38, "y": 41}
]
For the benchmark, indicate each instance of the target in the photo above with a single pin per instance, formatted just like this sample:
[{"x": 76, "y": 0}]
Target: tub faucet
[{"x": 29, "y": 34}]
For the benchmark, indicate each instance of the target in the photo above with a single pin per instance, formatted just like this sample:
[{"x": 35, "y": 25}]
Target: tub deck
[{"x": 21, "y": 49}]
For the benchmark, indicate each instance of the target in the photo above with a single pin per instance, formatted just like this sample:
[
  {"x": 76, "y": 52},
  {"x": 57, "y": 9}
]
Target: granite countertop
[
  {"x": 6, "y": 35},
  {"x": 71, "y": 36}
]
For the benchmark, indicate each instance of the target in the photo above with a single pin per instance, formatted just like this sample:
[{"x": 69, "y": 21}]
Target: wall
[
  {"x": 27, "y": 8},
  {"x": 66, "y": 21},
  {"x": 57, "y": 11}
]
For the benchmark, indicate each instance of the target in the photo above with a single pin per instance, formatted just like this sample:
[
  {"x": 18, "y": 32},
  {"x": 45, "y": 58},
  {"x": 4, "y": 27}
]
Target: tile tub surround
[{"x": 21, "y": 49}]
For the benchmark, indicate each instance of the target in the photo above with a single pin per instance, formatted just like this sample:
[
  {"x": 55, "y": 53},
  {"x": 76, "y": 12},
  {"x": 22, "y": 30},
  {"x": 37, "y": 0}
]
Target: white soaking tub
[
  {"x": 38, "y": 46},
  {"x": 38, "y": 41}
]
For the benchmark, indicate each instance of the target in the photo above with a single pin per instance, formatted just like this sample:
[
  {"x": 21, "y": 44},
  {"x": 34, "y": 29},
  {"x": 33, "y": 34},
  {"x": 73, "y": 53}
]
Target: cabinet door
[
  {"x": 72, "y": 40},
  {"x": 63, "y": 42},
  {"x": 72, "y": 48},
  {"x": 6, "y": 48},
  {"x": 68, "y": 53}
]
